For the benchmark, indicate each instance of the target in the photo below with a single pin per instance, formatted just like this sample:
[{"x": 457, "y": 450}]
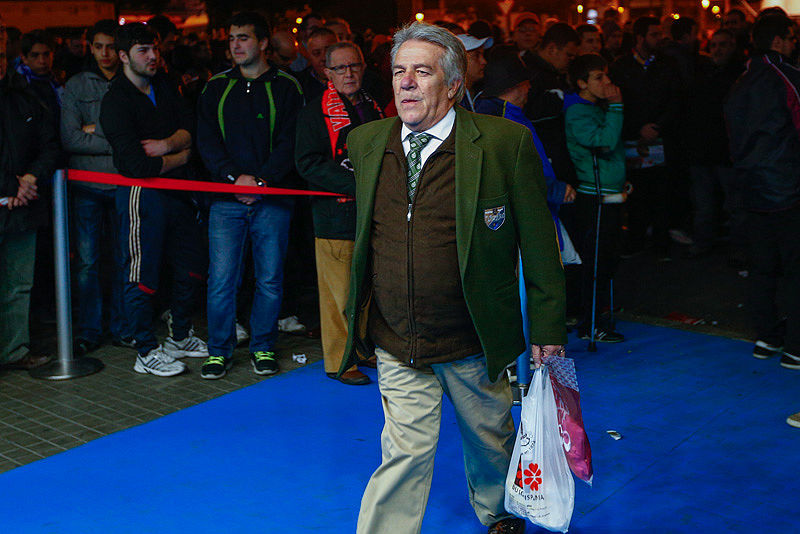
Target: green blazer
[{"x": 500, "y": 185}]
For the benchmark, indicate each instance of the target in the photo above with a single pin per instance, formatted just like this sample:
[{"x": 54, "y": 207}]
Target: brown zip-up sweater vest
[{"x": 418, "y": 312}]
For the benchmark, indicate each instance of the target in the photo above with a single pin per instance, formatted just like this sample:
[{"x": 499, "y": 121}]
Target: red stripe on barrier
[{"x": 188, "y": 185}]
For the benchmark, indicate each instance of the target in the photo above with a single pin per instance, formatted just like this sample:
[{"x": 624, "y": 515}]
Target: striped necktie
[{"x": 417, "y": 142}]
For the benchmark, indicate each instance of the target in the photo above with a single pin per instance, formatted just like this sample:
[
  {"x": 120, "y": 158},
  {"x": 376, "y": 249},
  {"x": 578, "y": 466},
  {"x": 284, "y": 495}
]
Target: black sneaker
[
  {"x": 763, "y": 350},
  {"x": 215, "y": 367},
  {"x": 790, "y": 361},
  {"x": 602, "y": 335},
  {"x": 81, "y": 347},
  {"x": 264, "y": 362}
]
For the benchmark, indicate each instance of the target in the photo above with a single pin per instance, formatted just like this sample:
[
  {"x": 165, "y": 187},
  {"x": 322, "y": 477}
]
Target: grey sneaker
[
  {"x": 241, "y": 334},
  {"x": 190, "y": 347},
  {"x": 159, "y": 363}
]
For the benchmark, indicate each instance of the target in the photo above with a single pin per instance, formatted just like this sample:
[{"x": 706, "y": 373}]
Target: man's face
[
  {"x": 104, "y": 52},
  {"x": 721, "y": 47},
  {"x": 245, "y": 48},
  {"x": 562, "y": 57},
  {"x": 3, "y": 59},
  {"x": 735, "y": 23},
  {"x": 341, "y": 31},
  {"x": 614, "y": 41},
  {"x": 596, "y": 84},
  {"x": 77, "y": 47},
  {"x": 142, "y": 59},
  {"x": 39, "y": 59},
  {"x": 421, "y": 93},
  {"x": 351, "y": 71},
  {"x": 652, "y": 38},
  {"x": 476, "y": 64},
  {"x": 590, "y": 43},
  {"x": 786, "y": 45},
  {"x": 283, "y": 51},
  {"x": 526, "y": 36},
  {"x": 169, "y": 43},
  {"x": 316, "y": 52}
]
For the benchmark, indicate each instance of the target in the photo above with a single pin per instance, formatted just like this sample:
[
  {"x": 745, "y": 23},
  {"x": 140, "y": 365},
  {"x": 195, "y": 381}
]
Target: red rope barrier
[{"x": 188, "y": 185}]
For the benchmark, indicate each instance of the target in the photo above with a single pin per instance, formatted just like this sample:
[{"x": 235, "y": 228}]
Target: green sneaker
[
  {"x": 264, "y": 362},
  {"x": 215, "y": 367}
]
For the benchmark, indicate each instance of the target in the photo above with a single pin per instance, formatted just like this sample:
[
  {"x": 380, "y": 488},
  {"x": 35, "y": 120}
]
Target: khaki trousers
[
  {"x": 334, "y": 257},
  {"x": 395, "y": 499}
]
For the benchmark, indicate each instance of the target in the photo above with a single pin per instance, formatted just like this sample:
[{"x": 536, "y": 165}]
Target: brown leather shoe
[
  {"x": 27, "y": 362},
  {"x": 353, "y": 377},
  {"x": 512, "y": 525},
  {"x": 371, "y": 363}
]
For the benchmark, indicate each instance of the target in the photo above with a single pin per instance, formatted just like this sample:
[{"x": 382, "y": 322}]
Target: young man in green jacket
[{"x": 593, "y": 122}]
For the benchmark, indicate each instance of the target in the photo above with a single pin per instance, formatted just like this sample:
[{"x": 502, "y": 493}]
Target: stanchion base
[
  {"x": 518, "y": 391},
  {"x": 59, "y": 370}
]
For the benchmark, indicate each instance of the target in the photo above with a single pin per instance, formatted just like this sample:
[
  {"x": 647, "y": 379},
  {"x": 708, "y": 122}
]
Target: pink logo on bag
[{"x": 533, "y": 476}]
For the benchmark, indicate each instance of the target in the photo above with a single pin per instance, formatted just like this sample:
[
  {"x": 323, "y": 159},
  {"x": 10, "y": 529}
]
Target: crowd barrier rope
[
  {"x": 66, "y": 366},
  {"x": 188, "y": 185}
]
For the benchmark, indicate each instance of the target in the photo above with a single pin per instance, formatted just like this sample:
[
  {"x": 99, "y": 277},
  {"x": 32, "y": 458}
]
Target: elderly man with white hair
[{"x": 446, "y": 202}]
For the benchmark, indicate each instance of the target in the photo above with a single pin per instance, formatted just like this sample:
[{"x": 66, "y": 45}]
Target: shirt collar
[{"x": 440, "y": 130}]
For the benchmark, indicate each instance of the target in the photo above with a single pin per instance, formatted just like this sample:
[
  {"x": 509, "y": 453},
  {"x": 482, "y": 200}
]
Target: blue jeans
[
  {"x": 230, "y": 224},
  {"x": 94, "y": 209}
]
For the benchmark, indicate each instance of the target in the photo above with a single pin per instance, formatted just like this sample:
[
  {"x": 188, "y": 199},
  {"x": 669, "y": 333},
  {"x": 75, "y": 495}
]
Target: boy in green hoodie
[{"x": 593, "y": 121}]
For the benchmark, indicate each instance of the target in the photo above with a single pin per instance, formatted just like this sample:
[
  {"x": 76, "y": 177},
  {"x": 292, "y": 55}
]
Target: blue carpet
[{"x": 705, "y": 449}]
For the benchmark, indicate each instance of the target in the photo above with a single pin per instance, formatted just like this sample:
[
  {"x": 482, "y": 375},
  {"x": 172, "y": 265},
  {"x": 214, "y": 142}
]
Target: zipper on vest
[{"x": 412, "y": 327}]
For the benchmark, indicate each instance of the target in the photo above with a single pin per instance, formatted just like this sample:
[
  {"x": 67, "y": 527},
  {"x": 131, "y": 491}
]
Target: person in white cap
[{"x": 476, "y": 63}]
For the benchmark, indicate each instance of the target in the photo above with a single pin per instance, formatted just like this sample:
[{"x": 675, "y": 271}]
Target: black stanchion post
[{"x": 65, "y": 366}]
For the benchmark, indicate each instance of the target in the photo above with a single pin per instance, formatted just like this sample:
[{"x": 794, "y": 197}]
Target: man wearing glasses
[{"x": 321, "y": 158}]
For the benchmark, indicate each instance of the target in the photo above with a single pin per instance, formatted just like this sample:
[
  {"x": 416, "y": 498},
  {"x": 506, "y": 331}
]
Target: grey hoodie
[{"x": 80, "y": 105}]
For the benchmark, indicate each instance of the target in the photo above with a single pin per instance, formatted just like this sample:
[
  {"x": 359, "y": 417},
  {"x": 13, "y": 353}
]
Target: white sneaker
[
  {"x": 291, "y": 324},
  {"x": 159, "y": 363},
  {"x": 241, "y": 334},
  {"x": 191, "y": 347},
  {"x": 167, "y": 318}
]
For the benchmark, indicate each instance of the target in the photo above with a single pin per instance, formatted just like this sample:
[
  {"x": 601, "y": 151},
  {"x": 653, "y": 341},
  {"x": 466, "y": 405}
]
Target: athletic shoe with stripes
[
  {"x": 790, "y": 361},
  {"x": 763, "y": 350},
  {"x": 215, "y": 367},
  {"x": 601, "y": 335},
  {"x": 190, "y": 347},
  {"x": 264, "y": 362},
  {"x": 159, "y": 363},
  {"x": 241, "y": 334}
]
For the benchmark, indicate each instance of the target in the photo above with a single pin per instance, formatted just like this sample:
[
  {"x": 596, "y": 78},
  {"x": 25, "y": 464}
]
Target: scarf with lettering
[{"x": 338, "y": 120}]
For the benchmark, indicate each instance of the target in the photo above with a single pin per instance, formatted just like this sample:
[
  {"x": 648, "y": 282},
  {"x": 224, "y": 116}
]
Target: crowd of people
[
  {"x": 620, "y": 137},
  {"x": 662, "y": 129}
]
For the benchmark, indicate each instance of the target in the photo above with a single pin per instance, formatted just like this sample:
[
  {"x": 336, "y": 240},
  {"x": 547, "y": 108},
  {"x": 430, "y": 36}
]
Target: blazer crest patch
[{"x": 494, "y": 217}]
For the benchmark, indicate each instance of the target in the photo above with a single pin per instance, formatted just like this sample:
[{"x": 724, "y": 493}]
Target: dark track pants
[{"x": 157, "y": 227}]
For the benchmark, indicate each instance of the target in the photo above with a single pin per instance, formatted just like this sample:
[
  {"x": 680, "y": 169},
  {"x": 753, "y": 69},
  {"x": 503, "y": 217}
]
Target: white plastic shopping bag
[
  {"x": 569, "y": 256},
  {"x": 539, "y": 485}
]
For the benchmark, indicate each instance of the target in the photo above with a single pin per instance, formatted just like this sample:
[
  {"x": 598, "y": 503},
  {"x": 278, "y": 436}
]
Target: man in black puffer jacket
[
  {"x": 28, "y": 154},
  {"x": 763, "y": 116}
]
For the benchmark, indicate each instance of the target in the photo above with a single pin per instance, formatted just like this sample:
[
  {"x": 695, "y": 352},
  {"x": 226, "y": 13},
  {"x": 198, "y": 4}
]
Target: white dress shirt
[{"x": 439, "y": 131}]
